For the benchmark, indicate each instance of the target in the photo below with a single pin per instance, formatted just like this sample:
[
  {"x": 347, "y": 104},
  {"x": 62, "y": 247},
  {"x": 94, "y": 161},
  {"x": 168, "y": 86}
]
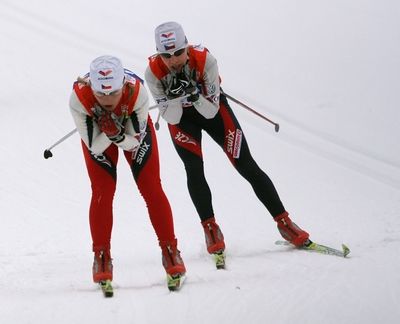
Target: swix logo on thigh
[
  {"x": 144, "y": 148},
  {"x": 184, "y": 138},
  {"x": 234, "y": 142}
]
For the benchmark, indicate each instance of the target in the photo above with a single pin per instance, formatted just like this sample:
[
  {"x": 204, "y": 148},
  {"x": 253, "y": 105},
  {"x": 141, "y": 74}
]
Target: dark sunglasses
[{"x": 179, "y": 52}]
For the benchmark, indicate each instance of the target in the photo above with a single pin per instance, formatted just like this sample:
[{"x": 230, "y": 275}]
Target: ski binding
[
  {"x": 219, "y": 259},
  {"x": 107, "y": 288},
  {"x": 175, "y": 282}
]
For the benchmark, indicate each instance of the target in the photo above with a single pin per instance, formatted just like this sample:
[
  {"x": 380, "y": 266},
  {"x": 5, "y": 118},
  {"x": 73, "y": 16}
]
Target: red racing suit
[{"x": 101, "y": 157}]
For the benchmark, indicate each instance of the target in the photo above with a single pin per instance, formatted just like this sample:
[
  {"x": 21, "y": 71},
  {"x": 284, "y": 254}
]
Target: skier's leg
[
  {"x": 187, "y": 141},
  {"x": 102, "y": 174},
  {"x": 146, "y": 171},
  {"x": 235, "y": 146}
]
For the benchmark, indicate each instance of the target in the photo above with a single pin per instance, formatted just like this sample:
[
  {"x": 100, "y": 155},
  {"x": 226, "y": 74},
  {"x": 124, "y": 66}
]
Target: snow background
[{"x": 327, "y": 71}]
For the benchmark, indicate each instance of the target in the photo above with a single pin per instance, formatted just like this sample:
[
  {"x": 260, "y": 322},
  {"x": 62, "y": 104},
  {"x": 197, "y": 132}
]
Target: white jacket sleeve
[
  {"x": 171, "y": 112},
  {"x": 141, "y": 109},
  {"x": 208, "y": 103},
  {"x": 99, "y": 141}
]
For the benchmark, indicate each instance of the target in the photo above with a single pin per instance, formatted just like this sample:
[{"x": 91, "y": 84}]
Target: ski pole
[
  {"x": 157, "y": 124},
  {"x": 47, "y": 152},
  {"x": 252, "y": 110}
]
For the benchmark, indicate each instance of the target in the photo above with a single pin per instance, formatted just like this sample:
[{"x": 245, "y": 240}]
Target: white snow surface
[{"x": 326, "y": 71}]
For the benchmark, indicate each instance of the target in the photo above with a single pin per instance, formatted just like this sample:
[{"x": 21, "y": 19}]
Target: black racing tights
[{"x": 226, "y": 131}]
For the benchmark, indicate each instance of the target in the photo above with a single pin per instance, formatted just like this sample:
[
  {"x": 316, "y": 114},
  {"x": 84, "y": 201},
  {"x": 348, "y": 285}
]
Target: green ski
[
  {"x": 107, "y": 288},
  {"x": 319, "y": 248},
  {"x": 219, "y": 259},
  {"x": 175, "y": 282}
]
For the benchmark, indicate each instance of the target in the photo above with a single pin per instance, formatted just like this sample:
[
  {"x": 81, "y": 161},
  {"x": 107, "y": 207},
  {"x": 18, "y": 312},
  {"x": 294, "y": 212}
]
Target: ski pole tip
[
  {"x": 277, "y": 128},
  {"x": 47, "y": 154}
]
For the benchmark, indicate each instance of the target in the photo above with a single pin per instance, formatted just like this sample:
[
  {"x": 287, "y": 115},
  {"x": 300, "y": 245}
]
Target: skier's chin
[{"x": 177, "y": 68}]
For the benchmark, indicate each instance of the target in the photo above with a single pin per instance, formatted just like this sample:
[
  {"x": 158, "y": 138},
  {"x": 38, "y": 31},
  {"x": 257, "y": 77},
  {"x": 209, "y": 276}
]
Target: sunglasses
[
  {"x": 177, "y": 53},
  {"x": 109, "y": 94}
]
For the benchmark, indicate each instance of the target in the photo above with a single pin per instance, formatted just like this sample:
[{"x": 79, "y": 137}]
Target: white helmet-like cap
[
  {"x": 106, "y": 74},
  {"x": 170, "y": 37}
]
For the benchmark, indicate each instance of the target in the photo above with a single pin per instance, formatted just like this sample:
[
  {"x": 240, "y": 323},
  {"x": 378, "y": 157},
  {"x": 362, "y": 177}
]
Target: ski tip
[{"x": 346, "y": 250}]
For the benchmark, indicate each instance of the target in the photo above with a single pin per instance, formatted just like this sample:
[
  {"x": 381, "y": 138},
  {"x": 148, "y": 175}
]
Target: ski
[
  {"x": 107, "y": 288},
  {"x": 319, "y": 248},
  {"x": 219, "y": 259},
  {"x": 175, "y": 282}
]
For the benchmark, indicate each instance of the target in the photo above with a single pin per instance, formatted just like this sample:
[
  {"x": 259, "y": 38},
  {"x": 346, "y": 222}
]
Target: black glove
[{"x": 182, "y": 85}]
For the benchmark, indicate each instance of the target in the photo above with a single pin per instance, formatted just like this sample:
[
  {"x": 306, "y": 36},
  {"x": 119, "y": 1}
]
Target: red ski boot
[
  {"x": 214, "y": 241},
  {"x": 290, "y": 231},
  {"x": 173, "y": 264},
  {"x": 102, "y": 266}
]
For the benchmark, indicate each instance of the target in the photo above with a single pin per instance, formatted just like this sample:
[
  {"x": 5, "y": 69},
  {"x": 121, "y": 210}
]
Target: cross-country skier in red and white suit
[
  {"x": 110, "y": 109},
  {"x": 191, "y": 72}
]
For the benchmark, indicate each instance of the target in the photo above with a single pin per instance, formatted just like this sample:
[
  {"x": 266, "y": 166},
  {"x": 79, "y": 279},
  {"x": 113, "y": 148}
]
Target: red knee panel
[{"x": 184, "y": 140}]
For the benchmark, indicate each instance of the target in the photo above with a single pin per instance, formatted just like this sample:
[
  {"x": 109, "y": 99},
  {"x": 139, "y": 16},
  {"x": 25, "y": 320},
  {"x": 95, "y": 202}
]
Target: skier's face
[
  {"x": 108, "y": 101},
  {"x": 175, "y": 61}
]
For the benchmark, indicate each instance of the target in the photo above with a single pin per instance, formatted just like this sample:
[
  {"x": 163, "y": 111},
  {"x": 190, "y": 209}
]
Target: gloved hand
[
  {"x": 109, "y": 125},
  {"x": 184, "y": 85}
]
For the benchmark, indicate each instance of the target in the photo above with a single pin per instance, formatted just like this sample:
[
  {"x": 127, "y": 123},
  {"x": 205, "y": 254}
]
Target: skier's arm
[
  {"x": 170, "y": 111},
  {"x": 208, "y": 103},
  {"x": 135, "y": 127},
  {"x": 96, "y": 141}
]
